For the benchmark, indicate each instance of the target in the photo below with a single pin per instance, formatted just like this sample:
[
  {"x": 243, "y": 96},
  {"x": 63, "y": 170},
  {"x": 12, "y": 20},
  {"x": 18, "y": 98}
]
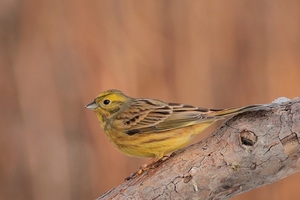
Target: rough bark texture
[{"x": 248, "y": 151}]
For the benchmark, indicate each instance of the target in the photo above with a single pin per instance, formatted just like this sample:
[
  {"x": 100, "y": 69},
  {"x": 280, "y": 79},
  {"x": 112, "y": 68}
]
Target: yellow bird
[{"x": 143, "y": 127}]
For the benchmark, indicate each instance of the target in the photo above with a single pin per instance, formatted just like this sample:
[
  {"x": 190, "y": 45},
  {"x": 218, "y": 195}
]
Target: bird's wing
[
  {"x": 149, "y": 115},
  {"x": 185, "y": 115}
]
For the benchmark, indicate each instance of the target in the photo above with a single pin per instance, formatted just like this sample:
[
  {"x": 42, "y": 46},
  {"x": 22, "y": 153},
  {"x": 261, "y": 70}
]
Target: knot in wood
[{"x": 247, "y": 138}]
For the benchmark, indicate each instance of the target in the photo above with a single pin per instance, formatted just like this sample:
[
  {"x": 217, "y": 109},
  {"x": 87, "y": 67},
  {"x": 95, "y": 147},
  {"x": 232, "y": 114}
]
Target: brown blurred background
[{"x": 57, "y": 55}]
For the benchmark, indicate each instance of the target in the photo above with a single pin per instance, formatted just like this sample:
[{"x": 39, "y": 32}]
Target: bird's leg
[{"x": 151, "y": 164}]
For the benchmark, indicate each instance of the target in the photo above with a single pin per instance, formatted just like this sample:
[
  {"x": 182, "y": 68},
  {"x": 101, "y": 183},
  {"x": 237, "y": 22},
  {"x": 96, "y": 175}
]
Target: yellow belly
[{"x": 156, "y": 144}]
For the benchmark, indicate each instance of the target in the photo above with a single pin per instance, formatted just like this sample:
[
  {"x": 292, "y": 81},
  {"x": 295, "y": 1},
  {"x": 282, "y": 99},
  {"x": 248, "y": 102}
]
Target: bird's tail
[{"x": 235, "y": 111}]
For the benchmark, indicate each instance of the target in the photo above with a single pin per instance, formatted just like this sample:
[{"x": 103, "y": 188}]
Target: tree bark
[{"x": 249, "y": 150}]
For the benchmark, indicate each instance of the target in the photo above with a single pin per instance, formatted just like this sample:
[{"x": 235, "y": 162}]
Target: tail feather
[{"x": 235, "y": 111}]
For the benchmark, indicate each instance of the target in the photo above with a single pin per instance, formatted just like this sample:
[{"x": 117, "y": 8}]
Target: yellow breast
[{"x": 155, "y": 144}]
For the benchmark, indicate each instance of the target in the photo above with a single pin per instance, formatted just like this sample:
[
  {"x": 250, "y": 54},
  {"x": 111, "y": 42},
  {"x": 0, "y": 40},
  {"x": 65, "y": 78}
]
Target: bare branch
[{"x": 248, "y": 151}]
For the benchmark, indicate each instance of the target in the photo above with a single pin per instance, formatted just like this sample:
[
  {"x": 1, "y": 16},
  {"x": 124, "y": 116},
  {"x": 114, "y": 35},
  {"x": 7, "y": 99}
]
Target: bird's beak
[{"x": 92, "y": 105}]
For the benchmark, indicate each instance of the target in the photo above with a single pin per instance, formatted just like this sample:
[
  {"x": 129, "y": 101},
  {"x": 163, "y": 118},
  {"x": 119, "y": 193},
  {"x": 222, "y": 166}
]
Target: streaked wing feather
[
  {"x": 158, "y": 116},
  {"x": 185, "y": 115},
  {"x": 143, "y": 115}
]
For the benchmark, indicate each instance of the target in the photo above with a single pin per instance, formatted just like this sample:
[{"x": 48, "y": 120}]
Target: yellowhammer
[{"x": 152, "y": 128}]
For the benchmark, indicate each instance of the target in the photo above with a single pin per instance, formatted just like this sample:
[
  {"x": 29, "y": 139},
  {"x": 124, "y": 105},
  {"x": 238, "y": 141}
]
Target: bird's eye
[{"x": 106, "y": 102}]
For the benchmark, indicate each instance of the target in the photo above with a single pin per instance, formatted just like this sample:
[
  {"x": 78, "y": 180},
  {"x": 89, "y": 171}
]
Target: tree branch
[{"x": 248, "y": 151}]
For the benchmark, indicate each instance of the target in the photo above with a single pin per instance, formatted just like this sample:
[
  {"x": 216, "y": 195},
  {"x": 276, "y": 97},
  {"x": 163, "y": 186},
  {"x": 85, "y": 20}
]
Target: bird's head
[{"x": 107, "y": 104}]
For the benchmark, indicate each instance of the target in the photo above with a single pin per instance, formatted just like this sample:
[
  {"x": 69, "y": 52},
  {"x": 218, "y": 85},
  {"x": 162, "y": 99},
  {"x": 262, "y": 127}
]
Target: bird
[{"x": 146, "y": 127}]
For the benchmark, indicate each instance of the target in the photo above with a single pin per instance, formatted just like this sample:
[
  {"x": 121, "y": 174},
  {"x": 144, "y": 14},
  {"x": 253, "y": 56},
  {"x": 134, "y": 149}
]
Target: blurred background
[{"x": 57, "y": 55}]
